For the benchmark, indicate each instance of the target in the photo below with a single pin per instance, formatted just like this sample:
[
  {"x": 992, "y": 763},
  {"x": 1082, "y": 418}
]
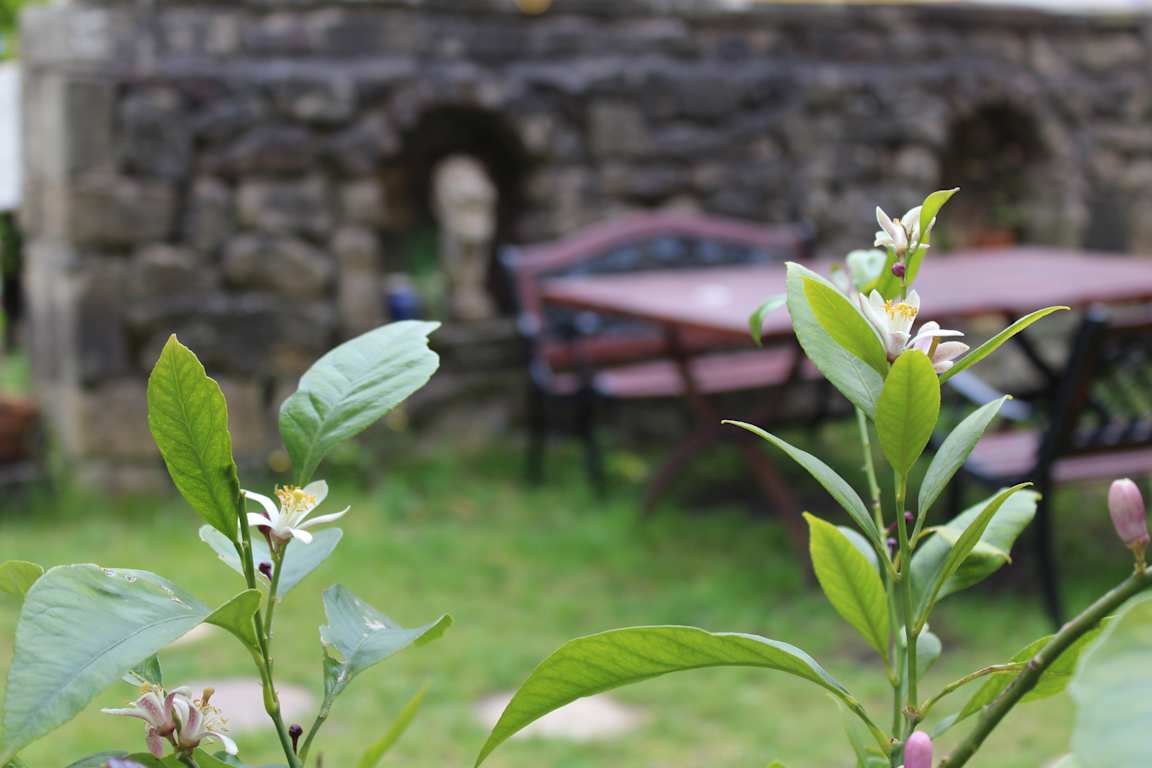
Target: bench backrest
[
  {"x": 635, "y": 243},
  {"x": 1104, "y": 399}
]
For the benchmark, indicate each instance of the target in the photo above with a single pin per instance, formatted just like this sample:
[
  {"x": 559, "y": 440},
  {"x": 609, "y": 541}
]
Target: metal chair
[
  {"x": 1096, "y": 425},
  {"x": 578, "y": 362}
]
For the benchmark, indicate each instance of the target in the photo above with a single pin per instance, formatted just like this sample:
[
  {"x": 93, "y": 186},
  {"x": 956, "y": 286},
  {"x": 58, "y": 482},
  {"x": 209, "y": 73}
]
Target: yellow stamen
[
  {"x": 293, "y": 498},
  {"x": 905, "y": 310}
]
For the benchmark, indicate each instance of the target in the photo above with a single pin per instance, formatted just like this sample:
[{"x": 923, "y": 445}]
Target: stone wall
[{"x": 244, "y": 173}]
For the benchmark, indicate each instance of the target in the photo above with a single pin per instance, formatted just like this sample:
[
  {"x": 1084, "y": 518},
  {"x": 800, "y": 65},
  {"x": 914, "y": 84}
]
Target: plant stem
[
  {"x": 904, "y": 585},
  {"x": 189, "y": 761},
  {"x": 264, "y": 657},
  {"x": 870, "y": 470},
  {"x": 322, "y": 716},
  {"x": 1028, "y": 677},
  {"x": 994, "y": 669},
  {"x": 273, "y": 589}
]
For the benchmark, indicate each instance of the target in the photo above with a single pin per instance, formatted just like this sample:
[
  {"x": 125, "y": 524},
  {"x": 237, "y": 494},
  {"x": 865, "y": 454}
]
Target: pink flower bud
[
  {"x": 918, "y": 751},
  {"x": 898, "y": 270},
  {"x": 1126, "y": 506}
]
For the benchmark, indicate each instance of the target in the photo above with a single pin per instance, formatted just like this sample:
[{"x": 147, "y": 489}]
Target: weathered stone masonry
[{"x": 244, "y": 173}]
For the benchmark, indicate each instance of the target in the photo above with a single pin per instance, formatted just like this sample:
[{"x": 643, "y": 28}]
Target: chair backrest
[
  {"x": 1104, "y": 399},
  {"x": 635, "y": 243}
]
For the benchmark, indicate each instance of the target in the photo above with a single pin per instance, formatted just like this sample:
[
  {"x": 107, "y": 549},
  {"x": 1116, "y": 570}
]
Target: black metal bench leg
[
  {"x": 593, "y": 457},
  {"x": 1044, "y": 543},
  {"x": 537, "y": 436}
]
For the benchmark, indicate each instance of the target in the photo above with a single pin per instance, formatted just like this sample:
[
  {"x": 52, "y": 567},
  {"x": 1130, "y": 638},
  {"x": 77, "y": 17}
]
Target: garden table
[{"x": 1007, "y": 282}]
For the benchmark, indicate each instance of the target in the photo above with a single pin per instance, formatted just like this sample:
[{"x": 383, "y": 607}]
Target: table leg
[{"x": 709, "y": 431}]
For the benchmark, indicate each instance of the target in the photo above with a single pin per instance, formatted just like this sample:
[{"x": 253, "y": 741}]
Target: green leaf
[
  {"x": 961, "y": 549},
  {"x": 837, "y": 486},
  {"x": 908, "y": 409},
  {"x": 147, "y": 672},
  {"x": 991, "y": 553},
  {"x": 189, "y": 422},
  {"x": 376, "y": 751},
  {"x": 856, "y": 539},
  {"x": 300, "y": 559},
  {"x": 203, "y": 760},
  {"x": 932, "y": 205},
  {"x": 954, "y": 452},
  {"x": 844, "y": 323},
  {"x": 353, "y": 386},
  {"x": 855, "y": 379},
  {"x": 363, "y": 636},
  {"x": 928, "y": 650},
  {"x": 601, "y": 662},
  {"x": 98, "y": 760},
  {"x": 1054, "y": 680},
  {"x": 18, "y": 576},
  {"x": 1113, "y": 692},
  {"x": 861, "y": 741},
  {"x": 238, "y": 617},
  {"x": 990, "y": 346},
  {"x": 850, "y": 582},
  {"x": 756, "y": 319},
  {"x": 83, "y": 627}
]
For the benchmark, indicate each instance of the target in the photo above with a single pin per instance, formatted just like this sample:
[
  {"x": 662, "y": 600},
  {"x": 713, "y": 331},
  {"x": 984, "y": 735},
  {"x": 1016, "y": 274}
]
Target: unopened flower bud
[
  {"x": 898, "y": 270},
  {"x": 1129, "y": 515},
  {"x": 918, "y": 751},
  {"x": 295, "y": 731},
  {"x": 893, "y": 545},
  {"x": 266, "y": 568}
]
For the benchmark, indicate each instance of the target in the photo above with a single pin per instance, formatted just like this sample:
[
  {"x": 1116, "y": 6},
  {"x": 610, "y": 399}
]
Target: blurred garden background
[{"x": 265, "y": 179}]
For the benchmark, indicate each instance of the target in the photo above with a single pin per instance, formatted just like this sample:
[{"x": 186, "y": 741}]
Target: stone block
[
  {"x": 166, "y": 271},
  {"x": 285, "y": 207},
  {"x": 284, "y": 265},
  {"x": 112, "y": 210},
  {"x": 109, "y": 421},
  {"x": 69, "y": 120},
  {"x": 155, "y": 135},
  {"x": 359, "y": 149},
  {"x": 200, "y": 31},
  {"x": 118, "y": 477},
  {"x": 329, "y": 99},
  {"x": 266, "y": 149},
  {"x": 210, "y": 218},
  {"x": 228, "y": 116},
  {"x": 362, "y": 202},
  {"x": 360, "y": 286},
  {"x": 81, "y": 36},
  {"x": 618, "y": 130}
]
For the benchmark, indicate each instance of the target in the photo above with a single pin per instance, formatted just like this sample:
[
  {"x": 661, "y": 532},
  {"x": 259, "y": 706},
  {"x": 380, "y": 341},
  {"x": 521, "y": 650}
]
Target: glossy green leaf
[
  {"x": 959, "y": 550},
  {"x": 988, "y": 556},
  {"x": 203, "y": 760},
  {"x": 98, "y": 760},
  {"x": 1054, "y": 680},
  {"x": 362, "y": 636},
  {"x": 18, "y": 576},
  {"x": 237, "y": 616},
  {"x": 147, "y": 672},
  {"x": 855, "y": 379},
  {"x": 351, "y": 387},
  {"x": 856, "y": 539},
  {"x": 189, "y": 422},
  {"x": 908, "y": 409},
  {"x": 82, "y": 628},
  {"x": 376, "y": 751},
  {"x": 756, "y": 319},
  {"x": 928, "y": 650},
  {"x": 300, "y": 559},
  {"x": 837, "y": 486},
  {"x": 850, "y": 582},
  {"x": 932, "y": 205},
  {"x": 863, "y": 746},
  {"x": 845, "y": 324},
  {"x": 598, "y": 663},
  {"x": 976, "y": 355},
  {"x": 1113, "y": 692},
  {"x": 954, "y": 451}
]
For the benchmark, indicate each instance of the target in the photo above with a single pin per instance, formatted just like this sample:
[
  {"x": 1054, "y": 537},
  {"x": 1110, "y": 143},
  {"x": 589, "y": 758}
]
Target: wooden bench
[
  {"x": 1095, "y": 426},
  {"x": 578, "y": 361}
]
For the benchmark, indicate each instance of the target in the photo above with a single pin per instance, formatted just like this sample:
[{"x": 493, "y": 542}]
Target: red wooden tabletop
[{"x": 1005, "y": 281}]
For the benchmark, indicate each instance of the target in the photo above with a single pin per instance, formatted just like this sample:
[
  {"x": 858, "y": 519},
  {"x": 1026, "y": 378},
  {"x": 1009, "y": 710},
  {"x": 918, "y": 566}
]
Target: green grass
[{"x": 523, "y": 570}]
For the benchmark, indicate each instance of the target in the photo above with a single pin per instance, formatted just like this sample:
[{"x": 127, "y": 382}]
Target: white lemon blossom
[
  {"x": 288, "y": 520},
  {"x": 893, "y": 320},
  {"x": 155, "y": 707},
  {"x": 899, "y": 234},
  {"x": 200, "y": 721},
  {"x": 942, "y": 353}
]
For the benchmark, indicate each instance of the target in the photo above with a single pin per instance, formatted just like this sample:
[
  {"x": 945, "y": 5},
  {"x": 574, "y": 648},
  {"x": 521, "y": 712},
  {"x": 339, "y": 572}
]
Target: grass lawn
[{"x": 523, "y": 570}]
